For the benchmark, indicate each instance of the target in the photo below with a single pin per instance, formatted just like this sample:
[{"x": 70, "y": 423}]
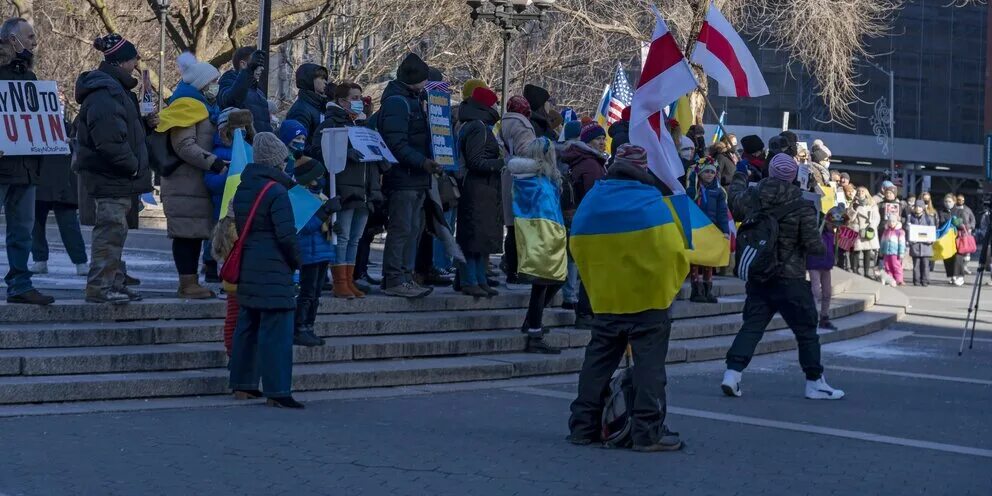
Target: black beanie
[
  {"x": 752, "y": 144},
  {"x": 115, "y": 48},
  {"x": 536, "y": 96},
  {"x": 412, "y": 70}
]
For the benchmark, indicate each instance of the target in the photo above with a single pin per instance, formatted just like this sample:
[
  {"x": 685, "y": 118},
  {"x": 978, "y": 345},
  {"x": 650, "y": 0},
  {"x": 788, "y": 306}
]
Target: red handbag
[
  {"x": 965, "y": 243},
  {"x": 230, "y": 272}
]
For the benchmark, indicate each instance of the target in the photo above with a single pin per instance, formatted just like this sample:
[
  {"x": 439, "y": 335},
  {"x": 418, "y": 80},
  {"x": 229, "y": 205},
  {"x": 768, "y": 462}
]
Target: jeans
[
  {"x": 649, "y": 343},
  {"x": 540, "y": 297},
  {"x": 109, "y": 234},
  {"x": 67, "y": 218},
  {"x": 570, "y": 290},
  {"x": 823, "y": 290},
  {"x": 207, "y": 257},
  {"x": 312, "y": 279},
  {"x": 352, "y": 222},
  {"x": 263, "y": 349},
  {"x": 441, "y": 259},
  {"x": 17, "y": 202},
  {"x": 406, "y": 224},
  {"x": 793, "y": 298},
  {"x": 474, "y": 271}
]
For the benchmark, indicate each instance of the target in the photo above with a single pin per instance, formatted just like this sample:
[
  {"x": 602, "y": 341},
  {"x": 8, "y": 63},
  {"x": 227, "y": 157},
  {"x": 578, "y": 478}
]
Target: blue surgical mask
[
  {"x": 297, "y": 146},
  {"x": 357, "y": 106}
]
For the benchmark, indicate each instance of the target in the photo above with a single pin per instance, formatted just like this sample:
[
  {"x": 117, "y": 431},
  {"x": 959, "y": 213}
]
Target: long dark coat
[{"x": 480, "y": 215}]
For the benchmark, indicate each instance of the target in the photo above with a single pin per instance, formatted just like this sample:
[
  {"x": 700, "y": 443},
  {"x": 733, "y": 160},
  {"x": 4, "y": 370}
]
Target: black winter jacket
[
  {"x": 359, "y": 185},
  {"x": 619, "y": 134},
  {"x": 308, "y": 108},
  {"x": 271, "y": 250},
  {"x": 19, "y": 169},
  {"x": 404, "y": 127},
  {"x": 111, "y": 155},
  {"x": 480, "y": 212},
  {"x": 542, "y": 127},
  {"x": 239, "y": 89},
  {"x": 798, "y": 235}
]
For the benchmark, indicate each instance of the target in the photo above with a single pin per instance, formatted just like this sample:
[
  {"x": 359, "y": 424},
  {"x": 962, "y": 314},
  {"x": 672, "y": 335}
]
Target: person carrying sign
[{"x": 19, "y": 175}]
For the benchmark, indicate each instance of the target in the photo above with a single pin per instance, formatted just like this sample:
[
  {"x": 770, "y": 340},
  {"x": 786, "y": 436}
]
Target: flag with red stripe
[
  {"x": 724, "y": 56},
  {"x": 666, "y": 76}
]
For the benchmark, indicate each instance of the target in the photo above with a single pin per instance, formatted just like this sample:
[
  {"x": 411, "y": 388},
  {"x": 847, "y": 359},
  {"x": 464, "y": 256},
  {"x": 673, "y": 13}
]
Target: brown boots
[
  {"x": 344, "y": 282},
  {"x": 350, "y": 277},
  {"x": 189, "y": 288}
]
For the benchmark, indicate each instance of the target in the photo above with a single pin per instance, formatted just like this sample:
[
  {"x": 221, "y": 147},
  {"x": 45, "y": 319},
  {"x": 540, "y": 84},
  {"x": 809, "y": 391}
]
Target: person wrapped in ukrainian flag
[
  {"x": 630, "y": 248},
  {"x": 540, "y": 233}
]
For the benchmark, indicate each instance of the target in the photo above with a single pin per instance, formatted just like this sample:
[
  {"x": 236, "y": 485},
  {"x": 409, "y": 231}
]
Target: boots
[
  {"x": 189, "y": 288},
  {"x": 708, "y": 292},
  {"x": 536, "y": 344},
  {"x": 349, "y": 277},
  {"x": 303, "y": 334},
  {"x": 697, "y": 293},
  {"x": 341, "y": 287}
]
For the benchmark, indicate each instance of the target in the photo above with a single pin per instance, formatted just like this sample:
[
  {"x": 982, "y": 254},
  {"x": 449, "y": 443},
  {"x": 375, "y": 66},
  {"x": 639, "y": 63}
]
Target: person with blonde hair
[{"x": 864, "y": 219}]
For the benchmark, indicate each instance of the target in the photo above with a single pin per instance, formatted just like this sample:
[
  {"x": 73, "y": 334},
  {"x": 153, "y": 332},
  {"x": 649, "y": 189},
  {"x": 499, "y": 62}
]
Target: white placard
[
  {"x": 334, "y": 148},
  {"x": 31, "y": 117},
  {"x": 370, "y": 144},
  {"x": 922, "y": 234}
]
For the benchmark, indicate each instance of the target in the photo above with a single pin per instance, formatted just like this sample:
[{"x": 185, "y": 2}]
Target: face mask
[
  {"x": 949, "y": 205},
  {"x": 357, "y": 106},
  {"x": 25, "y": 54},
  {"x": 686, "y": 153},
  {"x": 210, "y": 92},
  {"x": 297, "y": 146}
]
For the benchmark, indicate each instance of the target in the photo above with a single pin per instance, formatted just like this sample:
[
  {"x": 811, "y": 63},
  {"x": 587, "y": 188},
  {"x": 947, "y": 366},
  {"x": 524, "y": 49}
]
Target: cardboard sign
[
  {"x": 442, "y": 139},
  {"x": 922, "y": 234},
  {"x": 32, "y": 119},
  {"x": 370, "y": 144}
]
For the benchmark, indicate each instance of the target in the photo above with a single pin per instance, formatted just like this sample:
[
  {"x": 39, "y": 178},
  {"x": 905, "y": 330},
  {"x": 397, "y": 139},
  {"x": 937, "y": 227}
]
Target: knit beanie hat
[
  {"x": 413, "y": 70},
  {"x": 269, "y": 150},
  {"x": 572, "y": 129},
  {"x": 290, "y": 129},
  {"x": 783, "y": 167},
  {"x": 485, "y": 97},
  {"x": 536, "y": 96},
  {"x": 196, "y": 73},
  {"x": 752, "y": 144},
  {"x": 707, "y": 164},
  {"x": 819, "y": 155},
  {"x": 470, "y": 86},
  {"x": 115, "y": 48},
  {"x": 519, "y": 105},
  {"x": 591, "y": 132},
  {"x": 307, "y": 171},
  {"x": 629, "y": 154}
]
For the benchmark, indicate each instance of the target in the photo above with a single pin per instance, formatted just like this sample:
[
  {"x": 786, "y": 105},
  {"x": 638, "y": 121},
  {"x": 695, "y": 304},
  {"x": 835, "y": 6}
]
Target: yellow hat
[{"x": 470, "y": 86}]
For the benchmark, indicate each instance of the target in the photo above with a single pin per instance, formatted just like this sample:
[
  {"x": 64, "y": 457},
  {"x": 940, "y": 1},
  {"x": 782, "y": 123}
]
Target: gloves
[
  {"x": 218, "y": 166},
  {"x": 743, "y": 167},
  {"x": 432, "y": 167},
  {"x": 257, "y": 60},
  {"x": 338, "y": 229},
  {"x": 332, "y": 205},
  {"x": 354, "y": 155}
]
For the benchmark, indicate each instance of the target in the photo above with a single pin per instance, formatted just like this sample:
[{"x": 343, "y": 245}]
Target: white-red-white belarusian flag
[
  {"x": 665, "y": 77},
  {"x": 724, "y": 56}
]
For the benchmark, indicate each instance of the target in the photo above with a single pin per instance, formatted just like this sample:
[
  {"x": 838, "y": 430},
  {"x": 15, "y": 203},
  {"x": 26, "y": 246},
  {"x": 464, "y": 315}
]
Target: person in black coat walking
[
  {"x": 263, "y": 338},
  {"x": 311, "y": 80},
  {"x": 112, "y": 160},
  {"x": 480, "y": 215}
]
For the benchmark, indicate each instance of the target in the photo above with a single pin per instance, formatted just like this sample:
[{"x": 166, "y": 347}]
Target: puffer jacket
[
  {"x": 712, "y": 200},
  {"x": 359, "y": 185},
  {"x": 308, "y": 108},
  {"x": 619, "y": 135},
  {"x": 893, "y": 242},
  {"x": 111, "y": 155},
  {"x": 271, "y": 250},
  {"x": 917, "y": 249},
  {"x": 402, "y": 121},
  {"x": 586, "y": 165},
  {"x": 861, "y": 218},
  {"x": 185, "y": 199},
  {"x": 19, "y": 169},
  {"x": 315, "y": 241},
  {"x": 480, "y": 219},
  {"x": 798, "y": 233}
]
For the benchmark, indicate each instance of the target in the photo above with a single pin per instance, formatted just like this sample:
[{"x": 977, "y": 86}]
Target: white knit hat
[{"x": 196, "y": 73}]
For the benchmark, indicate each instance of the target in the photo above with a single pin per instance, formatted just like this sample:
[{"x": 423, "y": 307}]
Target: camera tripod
[{"x": 976, "y": 290}]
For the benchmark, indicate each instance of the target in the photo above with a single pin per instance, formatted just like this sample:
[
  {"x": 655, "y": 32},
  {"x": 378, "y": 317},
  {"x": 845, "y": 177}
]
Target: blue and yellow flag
[
  {"x": 710, "y": 248},
  {"x": 241, "y": 156},
  {"x": 629, "y": 248},
  {"x": 947, "y": 242},
  {"x": 539, "y": 229}
]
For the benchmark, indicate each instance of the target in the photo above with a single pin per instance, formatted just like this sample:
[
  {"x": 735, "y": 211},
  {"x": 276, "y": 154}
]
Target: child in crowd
[
  {"x": 706, "y": 191},
  {"x": 893, "y": 248},
  {"x": 819, "y": 266},
  {"x": 919, "y": 250}
]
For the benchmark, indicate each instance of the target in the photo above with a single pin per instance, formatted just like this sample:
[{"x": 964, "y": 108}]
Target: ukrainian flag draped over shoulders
[
  {"x": 629, "y": 248},
  {"x": 946, "y": 245},
  {"x": 539, "y": 229}
]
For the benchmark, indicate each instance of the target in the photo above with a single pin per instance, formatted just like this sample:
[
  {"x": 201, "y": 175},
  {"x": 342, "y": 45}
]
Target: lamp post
[
  {"x": 509, "y": 16},
  {"x": 892, "y": 114},
  {"x": 162, "y": 6}
]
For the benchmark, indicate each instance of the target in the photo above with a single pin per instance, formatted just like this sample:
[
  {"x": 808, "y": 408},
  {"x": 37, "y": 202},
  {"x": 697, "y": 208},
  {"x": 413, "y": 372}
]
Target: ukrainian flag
[
  {"x": 602, "y": 112},
  {"x": 629, "y": 247},
  {"x": 946, "y": 245},
  {"x": 682, "y": 111},
  {"x": 241, "y": 156},
  {"x": 709, "y": 246},
  {"x": 539, "y": 228}
]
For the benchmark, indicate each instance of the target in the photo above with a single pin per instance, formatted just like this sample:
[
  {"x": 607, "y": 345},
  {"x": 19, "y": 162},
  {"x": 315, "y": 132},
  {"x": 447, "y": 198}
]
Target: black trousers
[
  {"x": 541, "y": 296},
  {"x": 186, "y": 253},
  {"x": 424, "y": 262},
  {"x": 649, "y": 343},
  {"x": 312, "y": 279},
  {"x": 954, "y": 266},
  {"x": 793, "y": 298},
  {"x": 584, "y": 306},
  {"x": 510, "y": 252}
]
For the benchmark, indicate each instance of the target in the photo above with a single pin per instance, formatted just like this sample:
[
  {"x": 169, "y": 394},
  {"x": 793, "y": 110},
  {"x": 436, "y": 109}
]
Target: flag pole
[
  {"x": 689, "y": 45},
  {"x": 709, "y": 105}
]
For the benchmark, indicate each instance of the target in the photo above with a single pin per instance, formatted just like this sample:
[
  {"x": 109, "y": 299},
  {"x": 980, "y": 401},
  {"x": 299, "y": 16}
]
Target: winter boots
[
  {"x": 702, "y": 292},
  {"x": 189, "y": 288},
  {"x": 342, "y": 282}
]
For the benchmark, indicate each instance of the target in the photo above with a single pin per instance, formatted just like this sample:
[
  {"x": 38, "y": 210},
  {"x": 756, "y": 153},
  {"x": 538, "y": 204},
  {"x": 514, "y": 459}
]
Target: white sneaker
[
  {"x": 82, "y": 269},
  {"x": 959, "y": 281},
  {"x": 39, "y": 268},
  {"x": 820, "y": 390},
  {"x": 731, "y": 384}
]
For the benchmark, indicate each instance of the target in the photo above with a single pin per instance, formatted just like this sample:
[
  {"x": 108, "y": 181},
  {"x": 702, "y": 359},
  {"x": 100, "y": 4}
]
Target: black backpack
[
  {"x": 615, "y": 422},
  {"x": 161, "y": 156},
  {"x": 757, "y": 240}
]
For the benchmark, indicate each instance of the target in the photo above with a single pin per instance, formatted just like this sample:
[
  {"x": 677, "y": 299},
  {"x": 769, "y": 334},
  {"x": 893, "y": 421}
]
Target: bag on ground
[{"x": 616, "y": 412}]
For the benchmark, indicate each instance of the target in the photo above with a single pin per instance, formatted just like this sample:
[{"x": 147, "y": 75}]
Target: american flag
[
  {"x": 438, "y": 86},
  {"x": 620, "y": 95}
]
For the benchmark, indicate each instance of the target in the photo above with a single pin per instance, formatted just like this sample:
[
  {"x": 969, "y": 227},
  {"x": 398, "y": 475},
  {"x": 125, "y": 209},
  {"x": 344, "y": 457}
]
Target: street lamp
[
  {"x": 162, "y": 8},
  {"x": 509, "y": 16},
  {"x": 892, "y": 114}
]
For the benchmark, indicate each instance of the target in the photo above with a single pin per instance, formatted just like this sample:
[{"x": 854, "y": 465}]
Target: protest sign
[
  {"x": 370, "y": 144},
  {"x": 334, "y": 147},
  {"x": 32, "y": 119},
  {"x": 922, "y": 234},
  {"x": 442, "y": 139}
]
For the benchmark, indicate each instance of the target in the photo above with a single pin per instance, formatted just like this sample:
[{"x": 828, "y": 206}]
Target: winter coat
[
  {"x": 917, "y": 249},
  {"x": 480, "y": 219},
  {"x": 359, "y": 185},
  {"x": 58, "y": 184},
  {"x": 826, "y": 260},
  {"x": 726, "y": 168},
  {"x": 798, "y": 236},
  {"x": 240, "y": 90},
  {"x": 406, "y": 131},
  {"x": 517, "y": 133},
  {"x": 967, "y": 217},
  {"x": 619, "y": 135},
  {"x": 315, "y": 242},
  {"x": 111, "y": 154},
  {"x": 586, "y": 165},
  {"x": 19, "y": 169},
  {"x": 271, "y": 250},
  {"x": 712, "y": 200},
  {"x": 893, "y": 242},
  {"x": 542, "y": 127},
  {"x": 185, "y": 199},
  {"x": 308, "y": 108},
  {"x": 862, "y": 218},
  {"x": 757, "y": 168},
  {"x": 894, "y": 207}
]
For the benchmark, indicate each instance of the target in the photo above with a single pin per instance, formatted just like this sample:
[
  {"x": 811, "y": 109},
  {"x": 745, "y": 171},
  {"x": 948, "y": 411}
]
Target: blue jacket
[
  {"x": 238, "y": 89},
  {"x": 271, "y": 250},
  {"x": 216, "y": 182},
  {"x": 315, "y": 243},
  {"x": 713, "y": 203}
]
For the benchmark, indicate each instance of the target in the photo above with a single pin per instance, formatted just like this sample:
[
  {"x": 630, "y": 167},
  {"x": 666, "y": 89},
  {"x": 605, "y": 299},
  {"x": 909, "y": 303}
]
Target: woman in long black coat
[{"x": 480, "y": 223}]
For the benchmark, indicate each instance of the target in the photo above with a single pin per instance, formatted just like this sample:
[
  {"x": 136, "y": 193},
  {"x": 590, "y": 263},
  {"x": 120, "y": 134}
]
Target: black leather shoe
[
  {"x": 285, "y": 402},
  {"x": 32, "y": 297}
]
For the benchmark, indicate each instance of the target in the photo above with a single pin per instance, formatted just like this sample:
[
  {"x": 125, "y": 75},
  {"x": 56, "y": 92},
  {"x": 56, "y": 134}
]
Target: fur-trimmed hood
[
  {"x": 523, "y": 167},
  {"x": 239, "y": 118}
]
